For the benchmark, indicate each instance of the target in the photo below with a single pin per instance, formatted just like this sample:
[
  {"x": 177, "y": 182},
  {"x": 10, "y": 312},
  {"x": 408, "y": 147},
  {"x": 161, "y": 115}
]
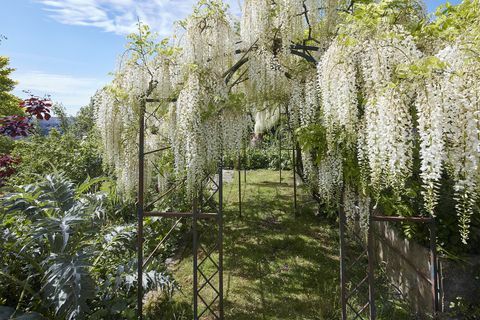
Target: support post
[
  {"x": 220, "y": 239},
  {"x": 371, "y": 272},
  {"x": 195, "y": 255},
  {"x": 294, "y": 170},
  {"x": 239, "y": 187},
  {"x": 343, "y": 287},
  {"x": 140, "y": 209},
  {"x": 245, "y": 164},
  {"x": 433, "y": 262},
  {"x": 280, "y": 149},
  {"x": 279, "y": 137}
]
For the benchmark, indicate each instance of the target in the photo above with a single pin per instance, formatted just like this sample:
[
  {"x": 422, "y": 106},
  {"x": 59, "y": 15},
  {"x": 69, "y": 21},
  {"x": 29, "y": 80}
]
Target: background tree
[{"x": 9, "y": 104}]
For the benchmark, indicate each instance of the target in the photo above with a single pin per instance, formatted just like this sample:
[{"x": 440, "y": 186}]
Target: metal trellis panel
[
  {"x": 207, "y": 285},
  {"x": 352, "y": 287}
]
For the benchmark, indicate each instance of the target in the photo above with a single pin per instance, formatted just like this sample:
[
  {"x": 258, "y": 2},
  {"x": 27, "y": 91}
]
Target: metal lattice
[
  {"x": 208, "y": 269},
  {"x": 359, "y": 286},
  {"x": 207, "y": 206},
  {"x": 356, "y": 271}
]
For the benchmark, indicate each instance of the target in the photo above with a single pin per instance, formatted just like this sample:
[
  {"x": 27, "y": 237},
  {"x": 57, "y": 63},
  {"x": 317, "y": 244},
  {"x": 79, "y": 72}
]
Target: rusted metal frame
[
  {"x": 371, "y": 273},
  {"x": 158, "y": 150},
  {"x": 239, "y": 171},
  {"x": 279, "y": 137},
  {"x": 215, "y": 183},
  {"x": 294, "y": 161},
  {"x": 345, "y": 297},
  {"x": 434, "y": 266},
  {"x": 145, "y": 263},
  {"x": 343, "y": 282},
  {"x": 358, "y": 313},
  {"x": 166, "y": 193},
  {"x": 208, "y": 256},
  {"x": 195, "y": 256},
  {"x": 215, "y": 190},
  {"x": 156, "y": 167},
  {"x": 210, "y": 198},
  {"x": 208, "y": 281},
  {"x": 245, "y": 164},
  {"x": 220, "y": 239},
  {"x": 294, "y": 170},
  {"x": 198, "y": 263},
  {"x": 362, "y": 255},
  {"x": 199, "y": 215},
  {"x": 357, "y": 287},
  {"x": 140, "y": 209},
  {"x": 209, "y": 307}
]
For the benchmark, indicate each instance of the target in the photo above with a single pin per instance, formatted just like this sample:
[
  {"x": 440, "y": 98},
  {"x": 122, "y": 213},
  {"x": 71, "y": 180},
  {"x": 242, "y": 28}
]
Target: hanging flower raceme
[
  {"x": 209, "y": 38},
  {"x": 295, "y": 104},
  {"x": 388, "y": 120},
  {"x": 330, "y": 177},
  {"x": 449, "y": 127},
  {"x": 309, "y": 110},
  {"x": 267, "y": 118},
  {"x": 236, "y": 129},
  {"x": 357, "y": 207},
  {"x": 198, "y": 136},
  {"x": 257, "y": 19},
  {"x": 431, "y": 124},
  {"x": 116, "y": 125},
  {"x": 337, "y": 77}
]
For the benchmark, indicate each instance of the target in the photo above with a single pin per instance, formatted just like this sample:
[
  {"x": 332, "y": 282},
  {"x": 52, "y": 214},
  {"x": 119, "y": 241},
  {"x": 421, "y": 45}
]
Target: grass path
[{"x": 276, "y": 266}]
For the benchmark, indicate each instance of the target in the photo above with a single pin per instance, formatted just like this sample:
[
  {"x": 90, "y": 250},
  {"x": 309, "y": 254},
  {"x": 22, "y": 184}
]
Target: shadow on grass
[{"x": 278, "y": 266}]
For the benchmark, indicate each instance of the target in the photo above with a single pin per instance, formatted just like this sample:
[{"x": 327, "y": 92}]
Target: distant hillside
[{"x": 52, "y": 123}]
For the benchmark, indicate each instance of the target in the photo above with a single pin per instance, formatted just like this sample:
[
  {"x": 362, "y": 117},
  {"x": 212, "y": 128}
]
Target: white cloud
[
  {"x": 72, "y": 92},
  {"x": 120, "y": 16}
]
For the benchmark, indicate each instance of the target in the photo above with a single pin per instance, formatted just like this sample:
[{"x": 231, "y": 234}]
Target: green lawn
[{"x": 276, "y": 266}]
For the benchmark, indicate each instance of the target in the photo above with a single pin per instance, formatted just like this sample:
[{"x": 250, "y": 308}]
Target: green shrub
[
  {"x": 264, "y": 156},
  {"x": 63, "y": 257},
  {"x": 39, "y": 155}
]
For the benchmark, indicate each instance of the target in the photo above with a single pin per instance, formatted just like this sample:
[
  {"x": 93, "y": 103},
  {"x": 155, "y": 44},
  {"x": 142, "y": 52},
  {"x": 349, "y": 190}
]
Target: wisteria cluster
[
  {"x": 330, "y": 177},
  {"x": 356, "y": 206},
  {"x": 369, "y": 92},
  {"x": 337, "y": 80},
  {"x": 449, "y": 128}
]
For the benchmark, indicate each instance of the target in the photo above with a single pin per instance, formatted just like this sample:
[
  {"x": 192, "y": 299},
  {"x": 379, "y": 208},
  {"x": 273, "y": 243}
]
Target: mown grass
[{"x": 276, "y": 265}]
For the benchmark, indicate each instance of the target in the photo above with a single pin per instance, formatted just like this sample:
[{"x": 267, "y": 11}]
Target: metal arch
[
  {"x": 196, "y": 214},
  {"x": 204, "y": 304},
  {"x": 208, "y": 294}
]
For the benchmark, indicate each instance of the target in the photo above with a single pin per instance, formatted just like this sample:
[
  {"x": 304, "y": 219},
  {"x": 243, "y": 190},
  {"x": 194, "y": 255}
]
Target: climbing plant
[{"x": 378, "y": 92}]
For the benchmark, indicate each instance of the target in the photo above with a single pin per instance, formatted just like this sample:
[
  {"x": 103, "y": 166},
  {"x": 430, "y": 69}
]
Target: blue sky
[{"x": 66, "y": 48}]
